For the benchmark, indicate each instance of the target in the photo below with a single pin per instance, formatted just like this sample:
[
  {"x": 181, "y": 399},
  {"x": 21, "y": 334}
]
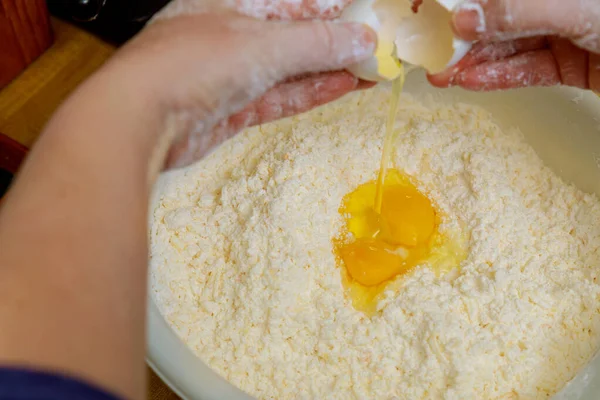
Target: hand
[
  {"x": 527, "y": 43},
  {"x": 248, "y": 57}
]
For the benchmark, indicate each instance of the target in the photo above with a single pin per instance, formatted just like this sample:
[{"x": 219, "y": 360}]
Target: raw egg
[
  {"x": 375, "y": 248},
  {"x": 417, "y": 34}
]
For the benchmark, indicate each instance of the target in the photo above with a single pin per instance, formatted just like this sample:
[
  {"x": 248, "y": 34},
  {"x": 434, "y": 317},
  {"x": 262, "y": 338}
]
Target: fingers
[
  {"x": 217, "y": 64},
  {"x": 315, "y": 46},
  {"x": 293, "y": 97},
  {"x": 483, "y": 52},
  {"x": 536, "y": 68},
  {"x": 509, "y": 19},
  {"x": 561, "y": 60},
  {"x": 572, "y": 63},
  {"x": 284, "y": 100},
  {"x": 526, "y": 62},
  {"x": 272, "y": 50}
]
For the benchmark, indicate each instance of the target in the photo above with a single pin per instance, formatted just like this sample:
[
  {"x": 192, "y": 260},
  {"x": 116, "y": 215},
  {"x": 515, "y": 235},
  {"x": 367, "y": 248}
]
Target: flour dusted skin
[{"x": 242, "y": 264}]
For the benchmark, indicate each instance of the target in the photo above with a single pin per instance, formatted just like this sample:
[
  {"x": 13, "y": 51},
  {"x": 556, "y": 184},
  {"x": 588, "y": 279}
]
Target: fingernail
[
  {"x": 441, "y": 80},
  {"x": 468, "y": 20},
  {"x": 364, "y": 42}
]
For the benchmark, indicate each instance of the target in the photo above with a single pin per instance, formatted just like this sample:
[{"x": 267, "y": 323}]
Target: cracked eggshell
[
  {"x": 424, "y": 39},
  {"x": 384, "y": 64}
]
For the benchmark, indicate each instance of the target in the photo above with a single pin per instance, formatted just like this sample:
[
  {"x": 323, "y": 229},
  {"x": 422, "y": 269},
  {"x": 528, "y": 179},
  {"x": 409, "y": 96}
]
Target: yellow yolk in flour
[
  {"x": 375, "y": 248},
  {"x": 390, "y": 243}
]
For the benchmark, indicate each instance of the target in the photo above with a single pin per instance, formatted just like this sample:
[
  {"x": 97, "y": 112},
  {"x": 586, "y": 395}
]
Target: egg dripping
[{"x": 390, "y": 227}]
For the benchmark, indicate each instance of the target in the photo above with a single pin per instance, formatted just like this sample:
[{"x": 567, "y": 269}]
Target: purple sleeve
[{"x": 24, "y": 384}]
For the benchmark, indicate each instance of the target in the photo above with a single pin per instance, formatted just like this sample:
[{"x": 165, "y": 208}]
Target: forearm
[
  {"x": 73, "y": 255},
  {"x": 73, "y": 229}
]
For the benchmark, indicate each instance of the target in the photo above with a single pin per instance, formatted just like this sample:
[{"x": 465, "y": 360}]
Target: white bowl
[{"x": 563, "y": 126}]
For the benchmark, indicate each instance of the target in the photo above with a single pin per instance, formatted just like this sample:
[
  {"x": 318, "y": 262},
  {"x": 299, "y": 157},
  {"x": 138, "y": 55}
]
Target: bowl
[{"x": 563, "y": 126}]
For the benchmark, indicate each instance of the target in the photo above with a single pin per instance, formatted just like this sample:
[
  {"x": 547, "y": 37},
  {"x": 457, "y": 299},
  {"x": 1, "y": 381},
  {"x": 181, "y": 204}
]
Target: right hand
[{"x": 527, "y": 43}]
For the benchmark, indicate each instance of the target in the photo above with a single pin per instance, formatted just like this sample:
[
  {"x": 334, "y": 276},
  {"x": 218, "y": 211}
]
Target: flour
[{"x": 242, "y": 265}]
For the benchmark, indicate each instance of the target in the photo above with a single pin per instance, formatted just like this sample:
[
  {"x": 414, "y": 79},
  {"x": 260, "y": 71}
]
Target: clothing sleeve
[{"x": 24, "y": 384}]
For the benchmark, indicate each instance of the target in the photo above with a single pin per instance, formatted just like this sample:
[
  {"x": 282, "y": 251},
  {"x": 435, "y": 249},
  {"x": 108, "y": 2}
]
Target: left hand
[{"x": 321, "y": 79}]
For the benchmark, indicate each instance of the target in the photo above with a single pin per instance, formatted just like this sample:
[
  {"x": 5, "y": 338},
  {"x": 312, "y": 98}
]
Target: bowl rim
[{"x": 166, "y": 352}]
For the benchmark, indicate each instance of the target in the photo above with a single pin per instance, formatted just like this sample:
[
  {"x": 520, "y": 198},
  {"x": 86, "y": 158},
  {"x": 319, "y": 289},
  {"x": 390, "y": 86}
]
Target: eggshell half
[
  {"x": 424, "y": 39},
  {"x": 384, "y": 65}
]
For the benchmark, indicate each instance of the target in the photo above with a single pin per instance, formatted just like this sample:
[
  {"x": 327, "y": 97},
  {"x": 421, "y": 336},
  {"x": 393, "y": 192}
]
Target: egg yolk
[
  {"x": 372, "y": 261},
  {"x": 392, "y": 242},
  {"x": 375, "y": 248},
  {"x": 388, "y": 65},
  {"x": 407, "y": 216}
]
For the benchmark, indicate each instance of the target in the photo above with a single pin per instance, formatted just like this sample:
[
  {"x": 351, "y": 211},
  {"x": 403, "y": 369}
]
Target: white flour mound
[{"x": 242, "y": 264}]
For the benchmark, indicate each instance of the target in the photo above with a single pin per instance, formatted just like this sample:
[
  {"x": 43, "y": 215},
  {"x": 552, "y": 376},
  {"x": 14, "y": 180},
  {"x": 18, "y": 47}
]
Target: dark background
[{"x": 113, "y": 20}]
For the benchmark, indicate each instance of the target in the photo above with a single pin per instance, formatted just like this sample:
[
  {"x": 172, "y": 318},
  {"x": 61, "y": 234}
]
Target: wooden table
[{"x": 27, "y": 103}]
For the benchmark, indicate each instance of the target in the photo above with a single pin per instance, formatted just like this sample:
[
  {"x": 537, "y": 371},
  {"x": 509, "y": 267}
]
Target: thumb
[
  {"x": 241, "y": 58},
  {"x": 501, "y": 20},
  {"x": 298, "y": 48},
  {"x": 262, "y": 54}
]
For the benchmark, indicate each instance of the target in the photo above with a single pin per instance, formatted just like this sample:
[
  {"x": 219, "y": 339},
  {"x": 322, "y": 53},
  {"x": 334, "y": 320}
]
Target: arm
[
  {"x": 73, "y": 249},
  {"x": 72, "y": 243}
]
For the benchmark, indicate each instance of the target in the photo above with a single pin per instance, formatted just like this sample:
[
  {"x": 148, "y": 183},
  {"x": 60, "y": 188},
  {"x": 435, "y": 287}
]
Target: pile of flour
[{"x": 242, "y": 264}]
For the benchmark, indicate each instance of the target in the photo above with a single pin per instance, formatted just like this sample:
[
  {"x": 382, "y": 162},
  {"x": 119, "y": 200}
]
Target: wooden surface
[
  {"x": 157, "y": 390},
  {"x": 24, "y": 33},
  {"x": 27, "y": 103}
]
